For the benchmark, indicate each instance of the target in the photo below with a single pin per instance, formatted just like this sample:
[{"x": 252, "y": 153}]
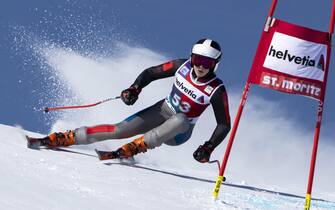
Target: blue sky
[{"x": 167, "y": 27}]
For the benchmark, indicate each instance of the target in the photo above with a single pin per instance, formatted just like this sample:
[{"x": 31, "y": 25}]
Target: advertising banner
[{"x": 291, "y": 59}]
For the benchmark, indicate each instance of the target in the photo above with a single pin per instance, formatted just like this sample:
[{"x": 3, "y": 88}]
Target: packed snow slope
[
  {"x": 271, "y": 152},
  {"x": 46, "y": 179}
]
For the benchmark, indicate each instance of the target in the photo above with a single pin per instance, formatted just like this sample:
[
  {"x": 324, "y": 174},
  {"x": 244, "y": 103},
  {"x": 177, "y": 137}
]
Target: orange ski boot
[
  {"x": 126, "y": 151},
  {"x": 133, "y": 148},
  {"x": 61, "y": 139}
]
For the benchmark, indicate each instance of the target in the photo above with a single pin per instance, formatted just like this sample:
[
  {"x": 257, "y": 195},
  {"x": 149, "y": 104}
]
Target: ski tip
[
  {"x": 98, "y": 153},
  {"x": 32, "y": 143},
  {"x": 107, "y": 155},
  {"x": 28, "y": 141}
]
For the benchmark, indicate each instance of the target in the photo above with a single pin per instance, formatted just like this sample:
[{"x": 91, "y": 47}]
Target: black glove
[
  {"x": 203, "y": 153},
  {"x": 130, "y": 95}
]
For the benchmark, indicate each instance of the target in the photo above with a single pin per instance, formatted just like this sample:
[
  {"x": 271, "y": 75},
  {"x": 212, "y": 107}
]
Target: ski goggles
[{"x": 206, "y": 62}]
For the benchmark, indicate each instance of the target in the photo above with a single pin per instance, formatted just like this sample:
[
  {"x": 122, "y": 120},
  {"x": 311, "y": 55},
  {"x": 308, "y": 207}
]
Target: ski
[
  {"x": 114, "y": 155},
  {"x": 42, "y": 143},
  {"x": 57, "y": 149},
  {"x": 36, "y": 143},
  {"x": 107, "y": 155}
]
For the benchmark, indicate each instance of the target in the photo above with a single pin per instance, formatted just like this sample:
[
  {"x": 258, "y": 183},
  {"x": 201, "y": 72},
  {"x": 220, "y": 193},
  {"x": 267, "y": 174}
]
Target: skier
[{"x": 170, "y": 120}]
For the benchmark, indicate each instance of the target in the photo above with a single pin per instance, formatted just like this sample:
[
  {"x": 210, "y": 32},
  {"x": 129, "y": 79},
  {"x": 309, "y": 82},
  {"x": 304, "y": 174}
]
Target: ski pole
[
  {"x": 215, "y": 161},
  {"x": 47, "y": 109},
  {"x": 218, "y": 163}
]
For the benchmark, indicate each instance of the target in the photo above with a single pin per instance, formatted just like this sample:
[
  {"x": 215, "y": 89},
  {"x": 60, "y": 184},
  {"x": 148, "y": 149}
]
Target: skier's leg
[
  {"x": 174, "y": 131},
  {"x": 136, "y": 124}
]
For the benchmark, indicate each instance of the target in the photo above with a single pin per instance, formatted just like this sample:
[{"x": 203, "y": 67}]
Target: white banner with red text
[{"x": 292, "y": 59}]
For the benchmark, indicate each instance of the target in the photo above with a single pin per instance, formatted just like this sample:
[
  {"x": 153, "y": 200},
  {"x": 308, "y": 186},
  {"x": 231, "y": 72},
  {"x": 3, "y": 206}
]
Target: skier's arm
[
  {"x": 157, "y": 72},
  {"x": 220, "y": 106},
  {"x": 219, "y": 102},
  {"x": 130, "y": 95}
]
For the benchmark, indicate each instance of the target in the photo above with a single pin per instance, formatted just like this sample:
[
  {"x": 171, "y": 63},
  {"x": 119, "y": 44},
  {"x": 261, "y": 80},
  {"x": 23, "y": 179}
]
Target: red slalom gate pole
[
  {"x": 231, "y": 141},
  {"x": 271, "y": 11},
  {"x": 332, "y": 19},
  {"x": 272, "y": 8},
  {"x": 313, "y": 158},
  {"x": 319, "y": 120},
  {"x": 47, "y": 109},
  {"x": 237, "y": 118}
]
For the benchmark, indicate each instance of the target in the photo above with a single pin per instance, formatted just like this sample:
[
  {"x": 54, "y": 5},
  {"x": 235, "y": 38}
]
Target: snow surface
[
  {"x": 268, "y": 167},
  {"x": 46, "y": 179}
]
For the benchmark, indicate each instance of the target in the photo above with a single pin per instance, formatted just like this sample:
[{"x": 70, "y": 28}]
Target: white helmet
[{"x": 208, "y": 48}]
